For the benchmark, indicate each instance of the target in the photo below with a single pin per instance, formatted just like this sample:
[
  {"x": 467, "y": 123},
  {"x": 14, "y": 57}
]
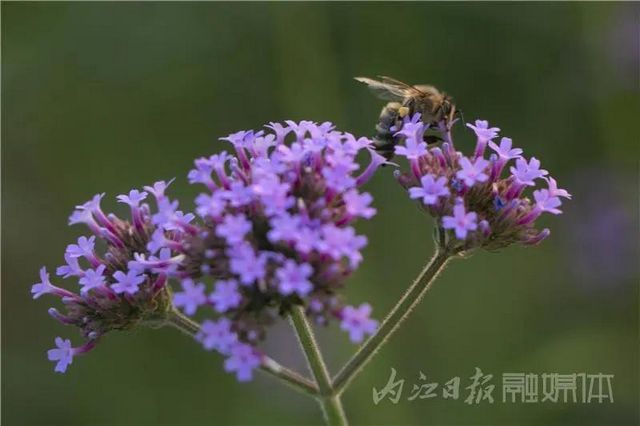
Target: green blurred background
[{"x": 108, "y": 96}]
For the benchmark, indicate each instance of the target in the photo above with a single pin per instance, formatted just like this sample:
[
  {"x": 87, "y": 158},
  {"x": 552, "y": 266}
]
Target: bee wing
[
  {"x": 408, "y": 89},
  {"x": 388, "y": 92},
  {"x": 392, "y": 81}
]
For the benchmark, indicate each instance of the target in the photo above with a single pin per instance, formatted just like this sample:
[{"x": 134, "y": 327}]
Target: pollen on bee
[{"x": 403, "y": 111}]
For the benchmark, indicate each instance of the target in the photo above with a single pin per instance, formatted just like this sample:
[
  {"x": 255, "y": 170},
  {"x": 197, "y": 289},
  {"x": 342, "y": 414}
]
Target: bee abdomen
[{"x": 384, "y": 141}]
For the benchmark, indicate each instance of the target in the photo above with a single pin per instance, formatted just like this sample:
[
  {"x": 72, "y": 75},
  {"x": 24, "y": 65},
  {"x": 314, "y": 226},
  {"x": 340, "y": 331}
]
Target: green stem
[
  {"x": 398, "y": 314},
  {"x": 333, "y": 410},
  {"x": 188, "y": 326},
  {"x": 328, "y": 398},
  {"x": 183, "y": 323}
]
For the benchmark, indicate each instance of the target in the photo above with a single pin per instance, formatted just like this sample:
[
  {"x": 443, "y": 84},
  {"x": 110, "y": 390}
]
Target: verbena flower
[
  {"x": 275, "y": 230},
  {"x": 115, "y": 289},
  {"x": 471, "y": 197},
  {"x": 357, "y": 323}
]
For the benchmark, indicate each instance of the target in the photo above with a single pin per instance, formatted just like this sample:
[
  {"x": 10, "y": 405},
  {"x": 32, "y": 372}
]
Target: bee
[{"x": 433, "y": 105}]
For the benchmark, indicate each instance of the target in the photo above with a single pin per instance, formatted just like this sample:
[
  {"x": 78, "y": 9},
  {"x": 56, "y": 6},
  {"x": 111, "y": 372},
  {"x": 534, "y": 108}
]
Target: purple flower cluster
[
  {"x": 469, "y": 196},
  {"x": 120, "y": 282},
  {"x": 275, "y": 230}
]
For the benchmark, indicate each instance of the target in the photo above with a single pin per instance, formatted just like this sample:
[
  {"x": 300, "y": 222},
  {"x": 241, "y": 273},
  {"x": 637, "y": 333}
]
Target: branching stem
[
  {"x": 188, "y": 326},
  {"x": 398, "y": 314},
  {"x": 328, "y": 398}
]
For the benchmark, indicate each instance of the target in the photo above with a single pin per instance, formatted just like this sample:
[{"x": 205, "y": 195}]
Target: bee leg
[
  {"x": 459, "y": 113},
  {"x": 403, "y": 111}
]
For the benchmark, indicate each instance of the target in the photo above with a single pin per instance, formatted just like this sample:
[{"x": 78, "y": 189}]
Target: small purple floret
[
  {"x": 430, "y": 190},
  {"x": 217, "y": 335},
  {"x": 294, "y": 278},
  {"x": 191, "y": 297},
  {"x": 92, "y": 279},
  {"x": 461, "y": 221},
  {"x": 128, "y": 283},
  {"x": 62, "y": 355},
  {"x": 243, "y": 359},
  {"x": 472, "y": 172},
  {"x": 225, "y": 296},
  {"x": 357, "y": 322},
  {"x": 234, "y": 228}
]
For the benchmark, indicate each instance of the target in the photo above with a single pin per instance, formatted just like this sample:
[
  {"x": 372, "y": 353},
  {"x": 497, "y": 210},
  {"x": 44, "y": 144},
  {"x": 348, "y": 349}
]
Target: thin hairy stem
[
  {"x": 398, "y": 314},
  {"x": 183, "y": 323},
  {"x": 333, "y": 410},
  {"x": 328, "y": 398},
  {"x": 269, "y": 366}
]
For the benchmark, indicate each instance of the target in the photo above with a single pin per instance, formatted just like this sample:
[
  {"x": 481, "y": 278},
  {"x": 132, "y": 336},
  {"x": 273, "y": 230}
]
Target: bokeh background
[{"x": 108, "y": 96}]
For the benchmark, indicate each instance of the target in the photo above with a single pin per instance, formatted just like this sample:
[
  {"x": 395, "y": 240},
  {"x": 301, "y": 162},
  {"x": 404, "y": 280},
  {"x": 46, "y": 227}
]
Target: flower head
[
  {"x": 116, "y": 291},
  {"x": 472, "y": 201},
  {"x": 274, "y": 230}
]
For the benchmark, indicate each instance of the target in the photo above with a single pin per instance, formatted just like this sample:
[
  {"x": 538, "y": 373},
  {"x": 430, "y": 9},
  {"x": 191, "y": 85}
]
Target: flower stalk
[
  {"x": 396, "y": 317},
  {"x": 325, "y": 390},
  {"x": 188, "y": 326},
  {"x": 329, "y": 399}
]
